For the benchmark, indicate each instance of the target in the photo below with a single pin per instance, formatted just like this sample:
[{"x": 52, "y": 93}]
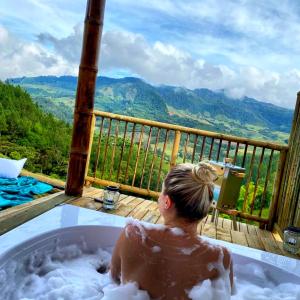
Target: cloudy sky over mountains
[{"x": 245, "y": 47}]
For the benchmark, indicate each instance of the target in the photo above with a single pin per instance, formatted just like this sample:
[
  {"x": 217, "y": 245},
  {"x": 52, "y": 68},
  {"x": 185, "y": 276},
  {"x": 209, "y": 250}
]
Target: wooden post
[
  {"x": 83, "y": 114},
  {"x": 276, "y": 190},
  {"x": 289, "y": 199},
  {"x": 90, "y": 145},
  {"x": 175, "y": 148}
]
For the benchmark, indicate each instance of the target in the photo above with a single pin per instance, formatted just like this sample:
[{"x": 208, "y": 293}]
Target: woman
[{"x": 167, "y": 261}]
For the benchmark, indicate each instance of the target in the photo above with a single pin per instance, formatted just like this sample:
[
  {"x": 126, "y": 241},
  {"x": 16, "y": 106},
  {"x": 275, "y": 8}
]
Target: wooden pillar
[
  {"x": 83, "y": 114},
  {"x": 288, "y": 212}
]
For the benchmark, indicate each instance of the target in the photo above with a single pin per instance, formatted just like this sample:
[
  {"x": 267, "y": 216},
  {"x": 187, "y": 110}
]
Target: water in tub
[{"x": 72, "y": 273}]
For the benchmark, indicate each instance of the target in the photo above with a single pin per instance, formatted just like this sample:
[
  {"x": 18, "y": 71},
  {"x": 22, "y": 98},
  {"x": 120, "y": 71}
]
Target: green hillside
[
  {"x": 27, "y": 131},
  {"x": 199, "y": 108}
]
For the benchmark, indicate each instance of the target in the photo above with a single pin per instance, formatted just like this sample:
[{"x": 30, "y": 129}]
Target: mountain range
[{"x": 199, "y": 108}]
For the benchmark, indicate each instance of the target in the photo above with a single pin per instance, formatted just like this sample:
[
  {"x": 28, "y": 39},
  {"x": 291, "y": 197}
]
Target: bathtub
[{"x": 105, "y": 236}]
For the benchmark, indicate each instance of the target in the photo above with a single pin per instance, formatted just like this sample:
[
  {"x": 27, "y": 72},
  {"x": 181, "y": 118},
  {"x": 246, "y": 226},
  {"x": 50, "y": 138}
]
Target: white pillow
[{"x": 10, "y": 168}]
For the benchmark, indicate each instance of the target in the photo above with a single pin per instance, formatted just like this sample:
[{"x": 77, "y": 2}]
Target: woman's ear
[{"x": 168, "y": 202}]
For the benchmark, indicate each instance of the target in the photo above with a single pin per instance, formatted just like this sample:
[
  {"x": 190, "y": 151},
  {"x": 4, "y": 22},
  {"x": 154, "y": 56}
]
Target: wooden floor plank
[
  {"x": 140, "y": 210},
  {"x": 87, "y": 200},
  {"x": 227, "y": 224},
  {"x": 209, "y": 230},
  {"x": 127, "y": 199},
  {"x": 239, "y": 238},
  {"x": 270, "y": 245},
  {"x": 151, "y": 216},
  {"x": 243, "y": 227},
  {"x": 219, "y": 222},
  {"x": 254, "y": 242},
  {"x": 251, "y": 229},
  {"x": 87, "y": 203},
  {"x": 122, "y": 210},
  {"x": 139, "y": 214},
  {"x": 224, "y": 234},
  {"x": 153, "y": 206},
  {"x": 264, "y": 233},
  {"x": 125, "y": 209}
]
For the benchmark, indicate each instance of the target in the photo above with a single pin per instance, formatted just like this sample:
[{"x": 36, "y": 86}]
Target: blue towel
[{"x": 20, "y": 190}]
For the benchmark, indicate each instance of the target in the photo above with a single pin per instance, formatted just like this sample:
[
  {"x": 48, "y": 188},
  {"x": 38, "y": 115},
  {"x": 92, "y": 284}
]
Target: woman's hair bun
[
  {"x": 190, "y": 187},
  {"x": 204, "y": 173}
]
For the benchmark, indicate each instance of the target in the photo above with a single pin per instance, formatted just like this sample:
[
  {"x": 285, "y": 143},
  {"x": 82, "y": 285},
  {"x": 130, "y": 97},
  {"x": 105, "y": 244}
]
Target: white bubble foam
[
  {"x": 70, "y": 273},
  {"x": 156, "y": 249}
]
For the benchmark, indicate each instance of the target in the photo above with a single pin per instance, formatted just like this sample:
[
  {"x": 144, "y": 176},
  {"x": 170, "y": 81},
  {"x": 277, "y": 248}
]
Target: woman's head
[{"x": 190, "y": 188}]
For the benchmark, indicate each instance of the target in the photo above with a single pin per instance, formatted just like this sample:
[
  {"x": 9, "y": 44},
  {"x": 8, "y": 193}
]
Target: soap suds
[
  {"x": 156, "y": 249},
  {"x": 177, "y": 231},
  {"x": 188, "y": 251},
  {"x": 70, "y": 273}
]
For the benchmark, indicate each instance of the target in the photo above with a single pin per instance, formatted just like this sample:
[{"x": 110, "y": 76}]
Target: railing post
[
  {"x": 90, "y": 146},
  {"x": 175, "y": 148},
  {"x": 276, "y": 193}
]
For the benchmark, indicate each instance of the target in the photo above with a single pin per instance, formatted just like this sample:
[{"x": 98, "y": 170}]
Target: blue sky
[{"x": 244, "y": 47}]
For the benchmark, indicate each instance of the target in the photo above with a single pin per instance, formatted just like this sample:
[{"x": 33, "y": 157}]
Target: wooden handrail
[{"x": 230, "y": 138}]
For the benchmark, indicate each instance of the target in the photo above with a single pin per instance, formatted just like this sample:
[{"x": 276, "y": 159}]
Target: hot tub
[{"x": 93, "y": 237}]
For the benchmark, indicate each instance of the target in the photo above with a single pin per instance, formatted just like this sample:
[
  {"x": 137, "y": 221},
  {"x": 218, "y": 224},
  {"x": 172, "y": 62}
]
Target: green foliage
[
  {"x": 148, "y": 167},
  {"x": 27, "y": 131},
  {"x": 250, "y": 197}
]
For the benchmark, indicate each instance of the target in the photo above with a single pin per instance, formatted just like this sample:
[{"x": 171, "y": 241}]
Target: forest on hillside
[{"x": 27, "y": 131}]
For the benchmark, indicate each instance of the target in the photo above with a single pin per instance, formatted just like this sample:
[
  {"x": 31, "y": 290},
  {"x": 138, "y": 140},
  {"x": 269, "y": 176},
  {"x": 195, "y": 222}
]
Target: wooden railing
[{"x": 136, "y": 154}]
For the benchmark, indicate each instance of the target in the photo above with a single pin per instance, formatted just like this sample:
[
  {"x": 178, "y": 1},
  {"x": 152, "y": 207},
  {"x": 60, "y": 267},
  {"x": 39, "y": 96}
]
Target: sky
[{"x": 245, "y": 47}]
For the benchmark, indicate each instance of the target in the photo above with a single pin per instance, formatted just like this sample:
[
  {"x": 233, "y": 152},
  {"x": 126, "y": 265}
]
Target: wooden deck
[
  {"x": 145, "y": 210},
  {"x": 247, "y": 235}
]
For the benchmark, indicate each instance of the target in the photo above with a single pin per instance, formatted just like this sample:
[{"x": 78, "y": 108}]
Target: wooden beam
[
  {"x": 124, "y": 187},
  {"x": 289, "y": 200},
  {"x": 83, "y": 113},
  {"x": 44, "y": 178},
  {"x": 20, "y": 214}
]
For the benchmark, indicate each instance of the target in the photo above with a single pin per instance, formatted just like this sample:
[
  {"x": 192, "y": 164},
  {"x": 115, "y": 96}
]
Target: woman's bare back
[{"x": 166, "y": 262}]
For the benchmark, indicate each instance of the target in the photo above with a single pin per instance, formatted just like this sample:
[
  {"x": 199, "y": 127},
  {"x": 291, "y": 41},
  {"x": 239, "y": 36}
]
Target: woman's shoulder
[
  {"x": 215, "y": 251},
  {"x": 134, "y": 224}
]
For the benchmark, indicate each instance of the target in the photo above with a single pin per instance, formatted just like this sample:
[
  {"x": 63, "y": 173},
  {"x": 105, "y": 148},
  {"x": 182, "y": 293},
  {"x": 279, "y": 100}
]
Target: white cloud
[
  {"x": 161, "y": 63},
  {"x": 165, "y": 64},
  {"x": 19, "y": 58},
  {"x": 157, "y": 63}
]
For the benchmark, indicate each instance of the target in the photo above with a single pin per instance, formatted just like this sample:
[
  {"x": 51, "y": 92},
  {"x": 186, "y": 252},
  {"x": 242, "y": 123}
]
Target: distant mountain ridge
[{"x": 199, "y": 108}]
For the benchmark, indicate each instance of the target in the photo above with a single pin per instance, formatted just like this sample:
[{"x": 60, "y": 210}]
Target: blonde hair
[{"x": 190, "y": 187}]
